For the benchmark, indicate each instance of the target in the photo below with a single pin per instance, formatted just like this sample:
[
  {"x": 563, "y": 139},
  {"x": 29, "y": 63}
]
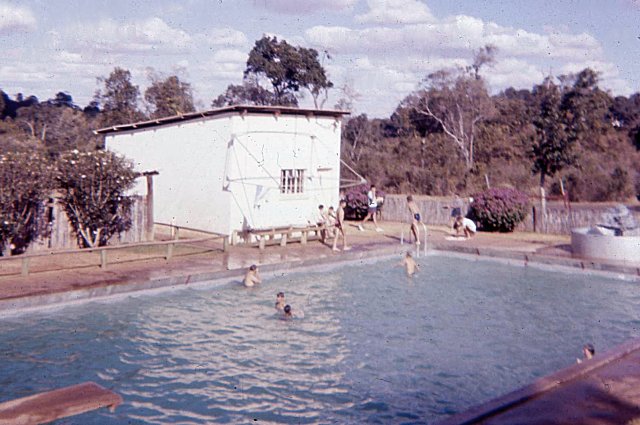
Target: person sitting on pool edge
[
  {"x": 410, "y": 264},
  {"x": 465, "y": 225},
  {"x": 588, "y": 351},
  {"x": 280, "y": 302},
  {"x": 252, "y": 277},
  {"x": 289, "y": 313}
]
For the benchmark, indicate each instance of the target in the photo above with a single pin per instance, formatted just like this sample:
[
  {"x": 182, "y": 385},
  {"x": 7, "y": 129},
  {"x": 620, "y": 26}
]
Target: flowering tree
[
  {"x": 26, "y": 182},
  {"x": 93, "y": 186}
]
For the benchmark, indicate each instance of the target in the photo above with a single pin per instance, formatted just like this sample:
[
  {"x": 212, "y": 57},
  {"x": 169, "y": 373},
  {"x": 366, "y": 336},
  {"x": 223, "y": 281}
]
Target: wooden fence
[
  {"x": 62, "y": 236},
  {"x": 560, "y": 218}
]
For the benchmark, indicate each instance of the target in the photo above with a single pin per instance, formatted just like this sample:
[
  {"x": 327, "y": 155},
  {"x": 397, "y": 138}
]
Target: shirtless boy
[
  {"x": 252, "y": 277},
  {"x": 410, "y": 264},
  {"x": 415, "y": 218},
  {"x": 340, "y": 228},
  {"x": 280, "y": 302}
]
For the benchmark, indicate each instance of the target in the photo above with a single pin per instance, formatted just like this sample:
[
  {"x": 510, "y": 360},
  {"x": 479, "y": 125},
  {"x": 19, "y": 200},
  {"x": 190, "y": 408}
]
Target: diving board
[{"x": 61, "y": 403}]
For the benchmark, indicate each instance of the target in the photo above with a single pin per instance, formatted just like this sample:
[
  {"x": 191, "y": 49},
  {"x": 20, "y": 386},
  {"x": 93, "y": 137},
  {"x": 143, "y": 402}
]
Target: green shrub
[{"x": 499, "y": 209}]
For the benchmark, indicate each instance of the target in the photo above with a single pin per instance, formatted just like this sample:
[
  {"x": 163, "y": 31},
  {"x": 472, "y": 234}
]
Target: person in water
[
  {"x": 416, "y": 218},
  {"x": 280, "y": 302},
  {"x": 410, "y": 264},
  {"x": 252, "y": 277},
  {"x": 588, "y": 351},
  {"x": 289, "y": 312}
]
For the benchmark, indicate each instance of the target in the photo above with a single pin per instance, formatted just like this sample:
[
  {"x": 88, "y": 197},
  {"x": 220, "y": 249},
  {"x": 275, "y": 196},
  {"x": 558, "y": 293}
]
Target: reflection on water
[{"x": 374, "y": 346}]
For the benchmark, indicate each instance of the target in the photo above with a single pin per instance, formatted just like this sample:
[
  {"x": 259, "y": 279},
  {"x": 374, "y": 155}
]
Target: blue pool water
[{"x": 374, "y": 346}]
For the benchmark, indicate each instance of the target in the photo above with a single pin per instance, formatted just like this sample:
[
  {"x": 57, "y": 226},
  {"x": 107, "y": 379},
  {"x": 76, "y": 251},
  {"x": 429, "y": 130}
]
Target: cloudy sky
[{"x": 380, "y": 48}]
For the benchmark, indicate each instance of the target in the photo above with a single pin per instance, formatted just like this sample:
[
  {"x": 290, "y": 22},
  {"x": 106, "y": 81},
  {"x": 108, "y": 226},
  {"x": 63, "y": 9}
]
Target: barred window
[{"x": 291, "y": 181}]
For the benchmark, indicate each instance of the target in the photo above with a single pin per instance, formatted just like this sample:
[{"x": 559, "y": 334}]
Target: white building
[{"x": 238, "y": 167}]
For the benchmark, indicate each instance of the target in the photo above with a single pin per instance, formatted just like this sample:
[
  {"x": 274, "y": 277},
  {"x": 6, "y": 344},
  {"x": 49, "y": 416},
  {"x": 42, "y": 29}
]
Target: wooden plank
[{"x": 61, "y": 403}]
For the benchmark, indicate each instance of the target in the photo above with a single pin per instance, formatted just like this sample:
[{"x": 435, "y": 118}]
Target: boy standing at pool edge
[
  {"x": 340, "y": 230},
  {"x": 415, "y": 218}
]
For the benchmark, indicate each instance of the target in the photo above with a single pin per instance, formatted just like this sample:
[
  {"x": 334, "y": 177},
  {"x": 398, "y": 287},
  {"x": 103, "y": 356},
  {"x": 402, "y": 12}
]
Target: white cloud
[
  {"x": 223, "y": 37},
  {"x": 15, "y": 18},
  {"x": 395, "y": 12},
  {"x": 450, "y": 37},
  {"x": 151, "y": 35},
  {"x": 299, "y": 7}
]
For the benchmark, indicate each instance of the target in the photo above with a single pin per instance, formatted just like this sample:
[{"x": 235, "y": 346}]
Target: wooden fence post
[
  {"x": 103, "y": 258},
  {"x": 169, "y": 251},
  {"x": 25, "y": 267}
]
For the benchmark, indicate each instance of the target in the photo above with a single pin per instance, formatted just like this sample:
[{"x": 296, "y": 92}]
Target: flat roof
[{"x": 240, "y": 109}]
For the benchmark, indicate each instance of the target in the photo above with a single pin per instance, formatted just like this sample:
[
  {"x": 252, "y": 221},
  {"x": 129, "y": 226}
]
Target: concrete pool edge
[
  {"x": 37, "y": 302},
  {"x": 18, "y": 305},
  {"x": 513, "y": 400}
]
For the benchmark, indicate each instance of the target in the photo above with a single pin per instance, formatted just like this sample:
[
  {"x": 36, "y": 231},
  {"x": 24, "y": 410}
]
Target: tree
[
  {"x": 457, "y": 102},
  {"x": 553, "y": 147},
  {"x": 288, "y": 69},
  {"x": 248, "y": 93},
  {"x": 169, "y": 97},
  {"x": 57, "y": 125},
  {"x": 93, "y": 189},
  {"x": 119, "y": 98},
  {"x": 26, "y": 182},
  {"x": 483, "y": 56}
]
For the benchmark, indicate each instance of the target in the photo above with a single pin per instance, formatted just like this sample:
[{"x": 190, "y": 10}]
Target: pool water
[{"x": 374, "y": 346}]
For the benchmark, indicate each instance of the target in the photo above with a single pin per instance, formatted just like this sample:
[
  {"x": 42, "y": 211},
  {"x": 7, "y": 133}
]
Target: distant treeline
[{"x": 451, "y": 136}]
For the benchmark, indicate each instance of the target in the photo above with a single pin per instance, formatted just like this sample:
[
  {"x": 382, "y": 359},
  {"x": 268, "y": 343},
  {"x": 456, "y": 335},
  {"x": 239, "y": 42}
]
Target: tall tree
[
  {"x": 457, "y": 102},
  {"x": 119, "y": 98},
  {"x": 169, "y": 97},
  {"x": 288, "y": 69},
  {"x": 553, "y": 146}
]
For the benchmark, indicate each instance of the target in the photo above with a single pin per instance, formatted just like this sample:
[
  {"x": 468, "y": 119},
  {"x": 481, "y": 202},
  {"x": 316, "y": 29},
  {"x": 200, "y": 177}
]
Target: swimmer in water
[
  {"x": 289, "y": 313},
  {"x": 280, "y": 302},
  {"x": 588, "y": 351},
  {"x": 252, "y": 277},
  {"x": 410, "y": 264}
]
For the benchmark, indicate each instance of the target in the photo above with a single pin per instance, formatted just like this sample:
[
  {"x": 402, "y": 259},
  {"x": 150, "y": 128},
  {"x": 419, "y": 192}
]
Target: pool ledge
[
  {"x": 110, "y": 288},
  {"x": 605, "y": 389},
  {"x": 113, "y": 285}
]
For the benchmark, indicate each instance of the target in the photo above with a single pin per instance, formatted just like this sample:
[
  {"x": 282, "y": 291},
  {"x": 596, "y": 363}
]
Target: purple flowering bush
[
  {"x": 358, "y": 203},
  {"x": 499, "y": 209}
]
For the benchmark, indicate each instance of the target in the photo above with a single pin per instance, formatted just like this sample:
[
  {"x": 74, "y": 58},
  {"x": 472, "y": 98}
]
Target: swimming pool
[{"x": 374, "y": 346}]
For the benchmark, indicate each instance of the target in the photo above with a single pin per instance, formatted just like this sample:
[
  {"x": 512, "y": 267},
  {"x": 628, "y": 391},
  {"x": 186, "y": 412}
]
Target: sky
[{"x": 380, "y": 49}]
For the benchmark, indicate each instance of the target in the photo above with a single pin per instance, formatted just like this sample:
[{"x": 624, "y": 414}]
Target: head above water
[
  {"x": 589, "y": 348},
  {"x": 280, "y": 295},
  {"x": 287, "y": 309},
  {"x": 253, "y": 268}
]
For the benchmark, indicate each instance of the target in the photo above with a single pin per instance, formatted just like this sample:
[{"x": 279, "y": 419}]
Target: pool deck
[{"x": 605, "y": 390}]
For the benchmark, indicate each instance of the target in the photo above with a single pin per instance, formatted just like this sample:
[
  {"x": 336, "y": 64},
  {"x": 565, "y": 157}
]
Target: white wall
[
  {"x": 263, "y": 145},
  {"x": 189, "y": 157},
  {"x": 222, "y": 173}
]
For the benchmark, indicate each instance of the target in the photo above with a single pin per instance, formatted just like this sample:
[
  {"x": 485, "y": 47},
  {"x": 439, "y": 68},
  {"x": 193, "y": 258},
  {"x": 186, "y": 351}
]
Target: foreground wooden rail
[
  {"x": 61, "y": 403},
  {"x": 104, "y": 250}
]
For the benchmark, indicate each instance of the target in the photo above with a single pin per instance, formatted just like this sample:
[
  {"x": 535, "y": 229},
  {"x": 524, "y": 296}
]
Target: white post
[{"x": 424, "y": 227}]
